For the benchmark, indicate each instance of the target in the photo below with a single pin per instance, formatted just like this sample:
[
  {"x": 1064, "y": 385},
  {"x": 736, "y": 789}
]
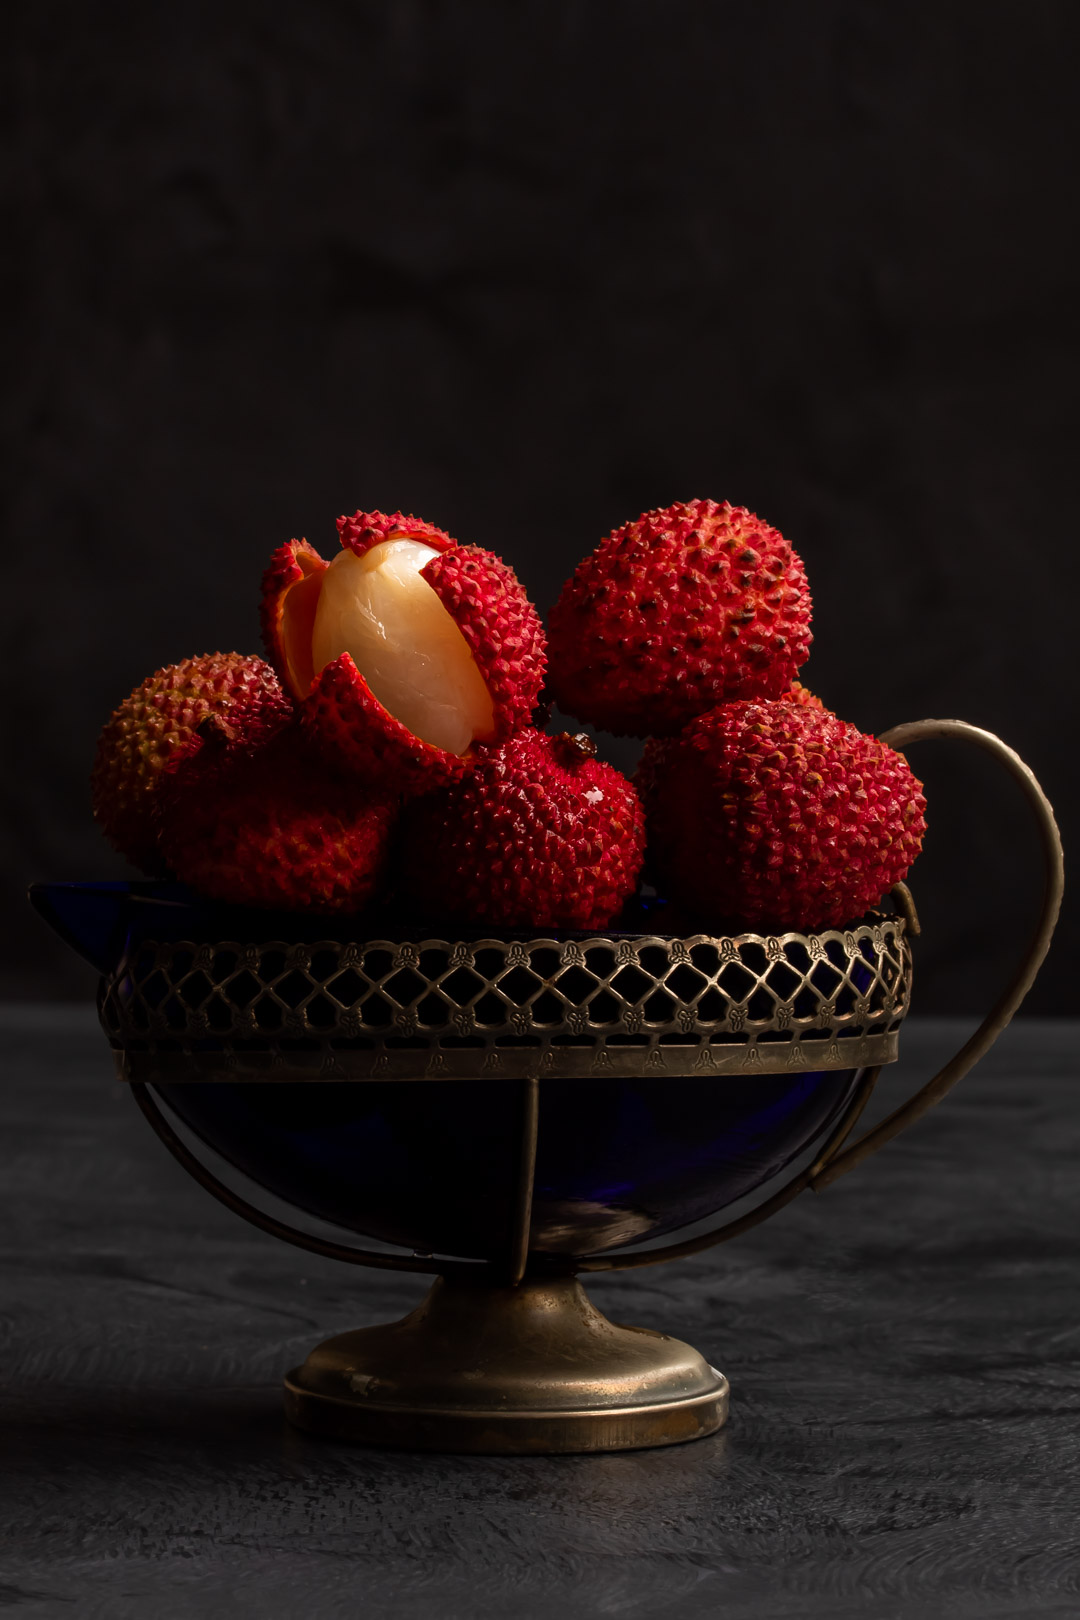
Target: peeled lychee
[
  {"x": 405, "y": 651},
  {"x": 155, "y": 722},
  {"x": 270, "y": 825},
  {"x": 674, "y": 613},
  {"x": 778, "y": 815},
  {"x": 539, "y": 834}
]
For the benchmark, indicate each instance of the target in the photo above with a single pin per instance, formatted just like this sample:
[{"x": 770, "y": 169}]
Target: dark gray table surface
[{"x": 904, "y": 1353}]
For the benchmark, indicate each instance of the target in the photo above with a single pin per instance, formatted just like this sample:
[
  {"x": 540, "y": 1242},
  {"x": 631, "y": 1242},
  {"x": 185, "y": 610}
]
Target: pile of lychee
[{"x": 392, "y": 750}]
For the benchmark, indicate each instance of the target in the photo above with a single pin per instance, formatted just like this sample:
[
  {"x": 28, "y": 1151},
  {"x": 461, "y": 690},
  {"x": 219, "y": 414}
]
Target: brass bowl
[
  {"x": 508, "y": 1112},
  {"x": 678, "y": 1075}
]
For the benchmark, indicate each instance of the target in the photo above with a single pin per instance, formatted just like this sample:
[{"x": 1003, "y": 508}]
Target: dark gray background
[{"x": 528, "y": 269}]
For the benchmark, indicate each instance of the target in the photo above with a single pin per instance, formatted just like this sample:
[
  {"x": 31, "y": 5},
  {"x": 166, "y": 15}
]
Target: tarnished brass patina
[
  {"x": 531, "y": 1368},
  {"x": 507, "y": 1009}
]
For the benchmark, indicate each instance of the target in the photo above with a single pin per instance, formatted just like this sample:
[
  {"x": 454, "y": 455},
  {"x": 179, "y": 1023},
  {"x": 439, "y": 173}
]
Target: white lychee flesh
[{"x": 404, "y": 643}]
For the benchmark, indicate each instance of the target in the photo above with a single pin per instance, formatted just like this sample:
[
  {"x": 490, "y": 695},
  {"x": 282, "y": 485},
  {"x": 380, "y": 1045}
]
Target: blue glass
[
  {"x": 101, "y": 920},
  {"x": 431, "y": 1164}
]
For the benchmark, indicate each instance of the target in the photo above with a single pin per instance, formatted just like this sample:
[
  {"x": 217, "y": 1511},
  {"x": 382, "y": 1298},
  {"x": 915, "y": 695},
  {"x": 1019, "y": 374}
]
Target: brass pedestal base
[{"x": 531, "y": 1369}]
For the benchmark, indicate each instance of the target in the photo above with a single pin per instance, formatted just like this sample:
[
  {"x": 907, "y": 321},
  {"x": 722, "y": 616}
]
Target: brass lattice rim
[{"x": 494, "y": 1008}]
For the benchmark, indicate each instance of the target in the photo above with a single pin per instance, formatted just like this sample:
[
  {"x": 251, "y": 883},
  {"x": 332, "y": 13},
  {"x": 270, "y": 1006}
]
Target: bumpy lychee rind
[
  {"x": 345, "y": 723},
  {"x": 363, "y": 530},
  {"x": 155, "y": 723},
  {"x": 339, "y": 711},
  {"x": 798, "y": 693},
  {"x": 690, "y": 606},
  {"x": 503, "y": 631},
  {"x": 290, "y": 592},
  {"x": 292, "y": 579},
  {"x": 270, "y": 826},
  {"x": 537, "y": 834},
  {"x": 778, "y": 815}
]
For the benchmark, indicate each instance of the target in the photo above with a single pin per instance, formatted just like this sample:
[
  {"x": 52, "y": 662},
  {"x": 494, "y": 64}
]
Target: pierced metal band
[{"x": 509, "y": 1009}]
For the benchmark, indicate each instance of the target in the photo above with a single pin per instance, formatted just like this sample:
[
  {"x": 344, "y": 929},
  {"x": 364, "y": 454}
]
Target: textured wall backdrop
[{"x": 526, "y": 270}]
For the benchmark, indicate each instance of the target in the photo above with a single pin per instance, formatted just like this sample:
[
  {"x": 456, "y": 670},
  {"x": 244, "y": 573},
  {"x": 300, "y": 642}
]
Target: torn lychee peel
[
  {"x": 379, "y": 607},
  {"x": 435, "y": 647},
  {"x": 487, "y": 602},
  {"x": 352, "y": 731},
  {"x": 291, "y": 588},
  {"x": 363, "y": 530}
]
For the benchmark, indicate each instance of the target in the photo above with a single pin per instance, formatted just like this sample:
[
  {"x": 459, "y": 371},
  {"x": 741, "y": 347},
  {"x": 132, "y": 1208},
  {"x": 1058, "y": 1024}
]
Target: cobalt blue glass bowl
[{"x": 431, "y": 1164}]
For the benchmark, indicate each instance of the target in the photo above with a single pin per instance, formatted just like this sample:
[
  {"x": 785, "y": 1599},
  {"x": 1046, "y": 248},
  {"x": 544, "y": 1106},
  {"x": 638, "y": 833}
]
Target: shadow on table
[
  {"x": 45, "y": 1433},
  {"x": 46, "y": 1427}
]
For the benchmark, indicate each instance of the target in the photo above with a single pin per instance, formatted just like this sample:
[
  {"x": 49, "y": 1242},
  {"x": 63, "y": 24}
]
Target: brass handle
[{"x": 845, "y": 1159}]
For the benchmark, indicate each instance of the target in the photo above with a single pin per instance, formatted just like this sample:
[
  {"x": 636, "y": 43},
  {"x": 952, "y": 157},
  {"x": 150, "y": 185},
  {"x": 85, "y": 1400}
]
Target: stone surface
[{"x": 903, "y": 1352}]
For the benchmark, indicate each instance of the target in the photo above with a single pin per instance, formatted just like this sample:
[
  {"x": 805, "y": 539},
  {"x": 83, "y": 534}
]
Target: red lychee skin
[
  {"x": 348, "y": 726},
  {"x": 295, "y": 564},
  {"x": 271, "y": 826},
  {"x": 152, "y": 727},
  {"x": 501, "y": 627},
  {"x": 339, "y": 711},
  {"x": 798, "y": 693},
  {"x": 778, "y": 815},
  {"x": 687, "y": 607},
  {"x": 366, "y": 529},
  {"x": 538, "y": 835}
]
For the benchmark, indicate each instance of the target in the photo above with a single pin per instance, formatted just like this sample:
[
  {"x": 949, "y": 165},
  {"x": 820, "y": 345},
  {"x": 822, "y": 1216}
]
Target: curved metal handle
[{"x": 840, "y": 1162}]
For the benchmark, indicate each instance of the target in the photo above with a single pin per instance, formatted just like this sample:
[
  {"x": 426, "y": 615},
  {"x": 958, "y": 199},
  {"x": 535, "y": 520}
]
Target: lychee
[
  {"x": 775, "y": 814},
  {"x": 158, "y": 720},
  {"x": 539, "y": 834},
  {"x": 405, "y": 651},
  {"x": 798, "y": 693},
  {"x": 270, "y": 825},
  {"x": 684, "y": 608}
]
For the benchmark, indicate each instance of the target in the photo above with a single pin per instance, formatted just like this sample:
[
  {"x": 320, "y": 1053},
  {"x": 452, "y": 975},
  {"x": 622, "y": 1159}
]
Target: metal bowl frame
[{"x": 517, "y": 1011}]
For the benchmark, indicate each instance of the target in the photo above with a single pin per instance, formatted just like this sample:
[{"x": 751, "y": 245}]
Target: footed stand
[{"x": 486, "y": 1368}]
